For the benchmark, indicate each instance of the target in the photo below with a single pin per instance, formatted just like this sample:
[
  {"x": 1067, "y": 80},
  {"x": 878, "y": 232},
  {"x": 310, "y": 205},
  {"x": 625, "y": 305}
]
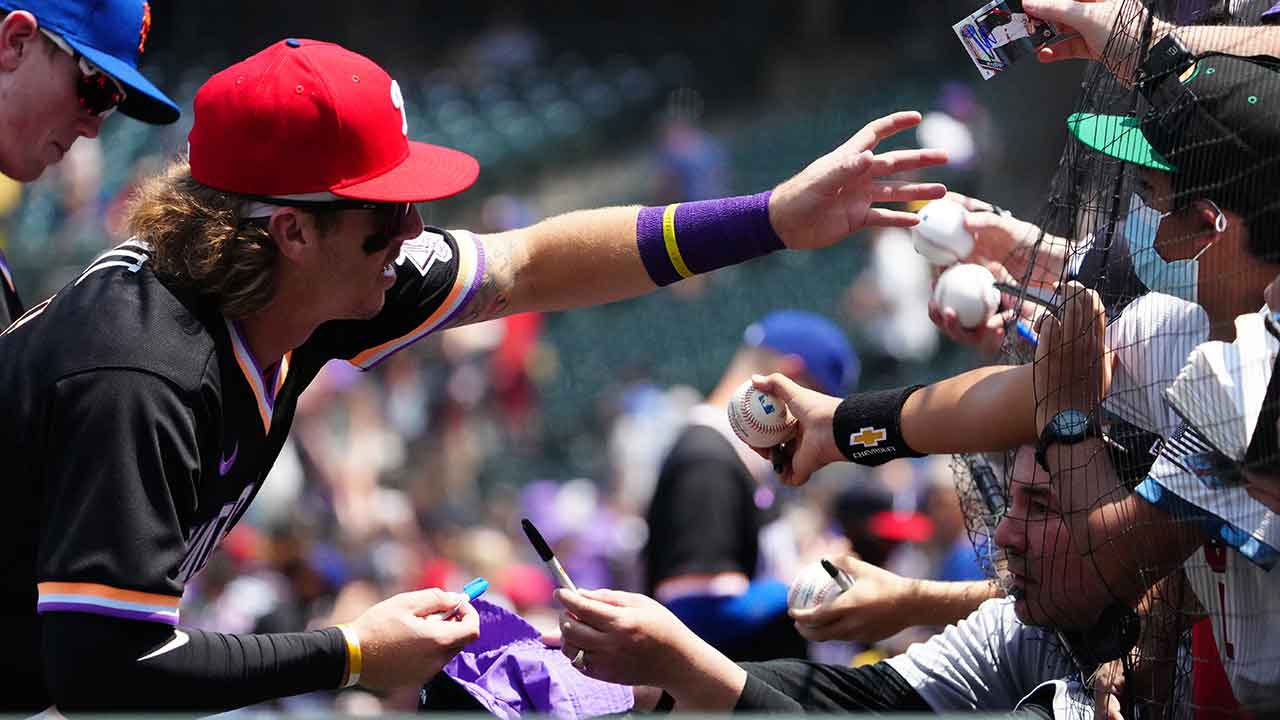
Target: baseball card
[{"x": 999, "y": 34}]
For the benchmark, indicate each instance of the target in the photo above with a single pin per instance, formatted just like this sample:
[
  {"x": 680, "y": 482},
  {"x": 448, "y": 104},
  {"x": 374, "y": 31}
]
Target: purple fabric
[
  {"x": 1272, "y": 15},
  {"x": 510, "y": 672},
  {"x": 653, "y": 249},
  {"x": 718, "y": 233},
  {"x": 711, "y": 234}
]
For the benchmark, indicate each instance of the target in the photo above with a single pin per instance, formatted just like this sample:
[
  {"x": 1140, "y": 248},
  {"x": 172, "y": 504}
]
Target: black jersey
[
  {"x": 10, "y": 303},
  {"x": 137, "y": 427}
]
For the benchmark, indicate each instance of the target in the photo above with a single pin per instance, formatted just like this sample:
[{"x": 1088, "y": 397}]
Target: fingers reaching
[
  {"x": 900, "y": 161},
  {"x": 903, "y": 191},
  {"x": 881, "y": 129}
]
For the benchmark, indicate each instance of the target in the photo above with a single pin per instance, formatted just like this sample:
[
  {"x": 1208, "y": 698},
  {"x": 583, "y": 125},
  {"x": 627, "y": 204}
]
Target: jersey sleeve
[
  {"x": 122, "y": 465},
  {"x": 437, "y": 274}
]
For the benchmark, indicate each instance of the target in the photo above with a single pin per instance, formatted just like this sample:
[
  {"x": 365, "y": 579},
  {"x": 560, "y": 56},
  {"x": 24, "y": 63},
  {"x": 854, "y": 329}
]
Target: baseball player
[
  {"x": 148, "y": 399},
  {"x": 65, "y": 65}
]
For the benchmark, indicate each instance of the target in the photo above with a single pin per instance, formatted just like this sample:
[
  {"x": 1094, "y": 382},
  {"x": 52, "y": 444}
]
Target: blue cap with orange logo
[{"x": 111, "y": 34}]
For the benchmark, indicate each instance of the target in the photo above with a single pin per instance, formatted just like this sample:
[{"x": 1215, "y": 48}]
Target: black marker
[
  {"x": 1023, "y": 292},
  {"x": 548, "y": 557},
  {"x": 836, "y": 575}
]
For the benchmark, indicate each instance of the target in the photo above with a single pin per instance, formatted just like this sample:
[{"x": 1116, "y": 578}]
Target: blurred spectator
[
  {"x": 714, "y": 497},
  {"x": 690, "y": 164},
  {"x": 890, "y": 299},
  {"x": 952, "y": 553}
]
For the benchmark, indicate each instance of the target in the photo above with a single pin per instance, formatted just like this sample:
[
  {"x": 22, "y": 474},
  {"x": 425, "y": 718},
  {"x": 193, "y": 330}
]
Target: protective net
[{"x": 1150, "y": 545}]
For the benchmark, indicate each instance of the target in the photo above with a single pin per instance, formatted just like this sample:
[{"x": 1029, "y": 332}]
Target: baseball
[
  {"x": 940, "y": 236},
  {"x": 758, "y": 418},
  {"x": 970, "y": 291},
  {"x": 813, "y": 587}
]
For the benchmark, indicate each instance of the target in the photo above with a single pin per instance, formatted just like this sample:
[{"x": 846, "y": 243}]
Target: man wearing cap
[
  {"x": 288, "y": 238},
  {"x": 712, "y": 499},
  {"x": 64, "y": 66}
]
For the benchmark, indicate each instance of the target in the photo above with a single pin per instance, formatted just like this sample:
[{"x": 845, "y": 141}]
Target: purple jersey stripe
[{"x": 167, "y": 618}]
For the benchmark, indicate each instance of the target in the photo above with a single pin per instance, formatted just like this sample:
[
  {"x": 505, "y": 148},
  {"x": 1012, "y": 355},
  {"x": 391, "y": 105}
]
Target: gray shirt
[{"x": 990, "y": 660}]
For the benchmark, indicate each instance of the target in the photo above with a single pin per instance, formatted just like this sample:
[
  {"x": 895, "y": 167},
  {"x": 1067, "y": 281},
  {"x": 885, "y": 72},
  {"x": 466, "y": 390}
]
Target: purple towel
[{"x": 510, "y": 672}]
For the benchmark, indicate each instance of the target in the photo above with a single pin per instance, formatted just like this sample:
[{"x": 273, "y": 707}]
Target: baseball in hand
[
  {"x": 969, "y": 290},
  {"x": 758, "y": 418},
  {"x": 813, "y": 587},
  {"x": 940, "y": 236}
]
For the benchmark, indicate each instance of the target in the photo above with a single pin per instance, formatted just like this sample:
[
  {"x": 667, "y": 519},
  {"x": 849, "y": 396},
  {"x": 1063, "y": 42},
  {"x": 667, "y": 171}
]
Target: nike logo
[
  {"x": 179, "y": 639},
  {"x": 225, "y": 463}
]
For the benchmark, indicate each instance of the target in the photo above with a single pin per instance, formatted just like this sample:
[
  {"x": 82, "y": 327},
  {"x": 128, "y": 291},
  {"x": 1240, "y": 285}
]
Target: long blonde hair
[{"x": 201, "y": 242}]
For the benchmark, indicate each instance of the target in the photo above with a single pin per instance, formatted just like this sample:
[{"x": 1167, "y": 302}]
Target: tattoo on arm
[{"x": 492, "y": 298}]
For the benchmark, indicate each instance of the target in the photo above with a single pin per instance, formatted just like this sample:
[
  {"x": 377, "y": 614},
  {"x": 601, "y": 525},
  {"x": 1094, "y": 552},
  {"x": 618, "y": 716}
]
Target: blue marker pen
[
  {"x": 473, "y": 590},
  {"x": 1026, "y": 333}
]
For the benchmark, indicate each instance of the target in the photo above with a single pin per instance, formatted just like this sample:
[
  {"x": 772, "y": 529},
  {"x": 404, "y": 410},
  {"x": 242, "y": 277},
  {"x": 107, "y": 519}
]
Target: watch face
[{"x": 1070, "y": 424}]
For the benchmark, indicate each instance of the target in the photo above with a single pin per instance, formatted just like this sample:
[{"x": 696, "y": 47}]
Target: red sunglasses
[{"x": 99, "y": 93}]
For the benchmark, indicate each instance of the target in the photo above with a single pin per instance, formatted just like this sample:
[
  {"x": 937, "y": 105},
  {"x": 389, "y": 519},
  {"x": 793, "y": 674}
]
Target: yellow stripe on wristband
[
  {"x": 669, "y": 237},
  {"x": 355, "y": 662}
]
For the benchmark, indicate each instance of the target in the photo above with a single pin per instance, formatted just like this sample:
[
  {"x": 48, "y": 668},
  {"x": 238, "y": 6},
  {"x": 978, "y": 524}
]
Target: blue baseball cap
[
  {"x": 112, "y": 35},
  {"x": 828, "y": 357}
]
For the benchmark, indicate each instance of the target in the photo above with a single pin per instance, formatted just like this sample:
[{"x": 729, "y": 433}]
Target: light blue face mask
[{"x": 1171, "y": 277}]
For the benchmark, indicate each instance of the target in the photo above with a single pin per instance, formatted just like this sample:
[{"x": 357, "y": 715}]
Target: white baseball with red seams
[
  {"x": 813, "y": 587},
  {"x": 970, "y": 291},
  {"x": 758, "y": 418}
]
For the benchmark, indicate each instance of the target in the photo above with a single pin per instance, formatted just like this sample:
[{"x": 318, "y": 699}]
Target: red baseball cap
[{"x": 310, "y": 120}]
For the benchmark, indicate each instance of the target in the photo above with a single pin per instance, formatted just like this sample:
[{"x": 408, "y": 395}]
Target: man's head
[
  {"x": 302, "y": 153},
  {"x": 65, "y": 65},
  {"x": 804, "y": 346},
  {"x": 1053, "y": 585},
  {"x": 1207, "y": 157}
]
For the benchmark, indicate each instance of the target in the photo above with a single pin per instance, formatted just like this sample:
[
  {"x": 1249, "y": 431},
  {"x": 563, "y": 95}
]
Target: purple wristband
[{"x": 679, "y": 241}]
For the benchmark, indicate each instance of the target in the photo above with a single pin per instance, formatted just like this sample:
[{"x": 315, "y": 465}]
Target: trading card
[{"x": 1000, "y": 34}]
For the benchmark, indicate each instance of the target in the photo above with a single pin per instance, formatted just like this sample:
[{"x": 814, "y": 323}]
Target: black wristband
[{"x": 868, "y": 427}]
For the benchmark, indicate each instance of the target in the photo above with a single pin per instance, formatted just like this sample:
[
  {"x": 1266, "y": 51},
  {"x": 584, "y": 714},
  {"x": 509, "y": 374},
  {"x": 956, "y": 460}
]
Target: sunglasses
[
  {"x": 99, "y": 93},
  {"x": 392, "y": 218}
]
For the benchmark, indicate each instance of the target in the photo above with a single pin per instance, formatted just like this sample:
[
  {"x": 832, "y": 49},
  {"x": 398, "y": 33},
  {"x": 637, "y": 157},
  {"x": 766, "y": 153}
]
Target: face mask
[{"x": 1171, "y": 277}]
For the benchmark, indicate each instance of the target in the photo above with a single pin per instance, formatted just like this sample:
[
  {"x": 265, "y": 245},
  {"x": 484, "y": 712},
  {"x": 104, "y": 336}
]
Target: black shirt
[{"x": 138, "y": 427}]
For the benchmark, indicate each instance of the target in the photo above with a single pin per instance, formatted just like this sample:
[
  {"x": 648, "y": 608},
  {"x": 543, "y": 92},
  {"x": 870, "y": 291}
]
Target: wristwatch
[
  {"x": 1068, "y": 427},
  {"x": 1165, "y": 58}
]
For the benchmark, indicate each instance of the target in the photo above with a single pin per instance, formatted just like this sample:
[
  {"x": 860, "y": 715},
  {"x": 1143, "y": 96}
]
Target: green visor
[{"x": 1119, "y": 137}]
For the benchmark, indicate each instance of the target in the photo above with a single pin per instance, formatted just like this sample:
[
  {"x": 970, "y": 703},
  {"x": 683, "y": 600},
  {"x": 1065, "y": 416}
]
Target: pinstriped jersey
[{"x": 139, "y": 426}]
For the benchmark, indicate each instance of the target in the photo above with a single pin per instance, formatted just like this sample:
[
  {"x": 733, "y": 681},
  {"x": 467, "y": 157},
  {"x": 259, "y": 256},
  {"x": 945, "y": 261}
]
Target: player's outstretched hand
[
  {"x": 625, "y": 638},
  {"x": 836, "y": 195},
  {"x": 870, "y": 611},
  {"x": 1073, "y": 368},
  {"x": 814, "y": 445},
  {"x": 401, "y": 646}
]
